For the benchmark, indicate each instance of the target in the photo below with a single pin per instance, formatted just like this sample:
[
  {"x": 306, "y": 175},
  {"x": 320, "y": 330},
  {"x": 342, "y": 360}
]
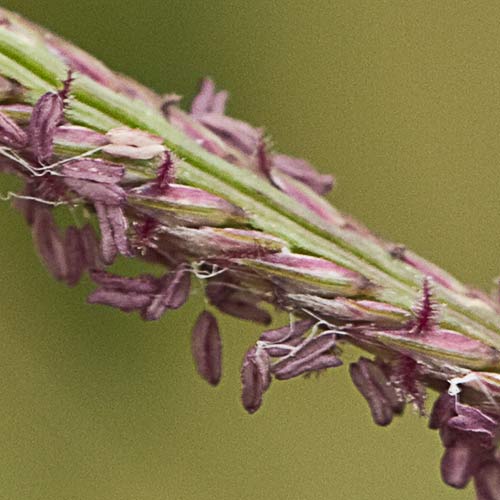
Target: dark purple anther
[
  {"x": 255, "y": 378},
  {"x": 172, "y": 294},
  {"x": 206, "y": 347},
  {"x": 127, "y": 294},
  {"x": 373, "y": 385},
  {"x": 294, "y": 368},
  {"x": 237, "y": 304},
  {"x": 291, "y": 331},
  {"x": 11, "y": 134},
  {"x": 263, "y": 363},
  {"x": 311, "y": 356},
  {"x": 314, "y": 346},
  {"x": 125, "y": 301},
  {"x": 46, "y": 116},
  {"x": 113, "y": 226},
  {"x": 241, "y": 306},
  {"x": 144, "y": 284},
  {"x": 282, "y": 349}
]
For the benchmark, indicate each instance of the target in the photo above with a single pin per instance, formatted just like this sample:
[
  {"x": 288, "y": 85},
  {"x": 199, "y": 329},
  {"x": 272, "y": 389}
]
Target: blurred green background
[{"x": 400, "y": 100}]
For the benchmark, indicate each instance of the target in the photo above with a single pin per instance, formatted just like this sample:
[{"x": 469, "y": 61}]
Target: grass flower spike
[{"x": 205, "y": 196}]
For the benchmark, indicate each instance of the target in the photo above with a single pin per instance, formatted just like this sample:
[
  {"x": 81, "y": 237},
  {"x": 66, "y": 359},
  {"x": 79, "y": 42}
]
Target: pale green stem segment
[{"x": 27, "y": 60}]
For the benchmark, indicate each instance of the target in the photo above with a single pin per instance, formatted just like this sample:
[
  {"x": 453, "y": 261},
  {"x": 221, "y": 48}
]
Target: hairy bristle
[{"x": 425, "y": 311}]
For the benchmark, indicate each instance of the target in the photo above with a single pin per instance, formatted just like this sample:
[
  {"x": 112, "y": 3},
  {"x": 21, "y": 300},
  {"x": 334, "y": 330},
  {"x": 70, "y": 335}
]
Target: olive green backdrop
[{"x": 400, "y": 100}]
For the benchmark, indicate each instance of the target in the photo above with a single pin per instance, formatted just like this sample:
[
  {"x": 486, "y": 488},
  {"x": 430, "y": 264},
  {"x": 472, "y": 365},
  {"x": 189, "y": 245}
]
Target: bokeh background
[{"x": 400, "y": 100}]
